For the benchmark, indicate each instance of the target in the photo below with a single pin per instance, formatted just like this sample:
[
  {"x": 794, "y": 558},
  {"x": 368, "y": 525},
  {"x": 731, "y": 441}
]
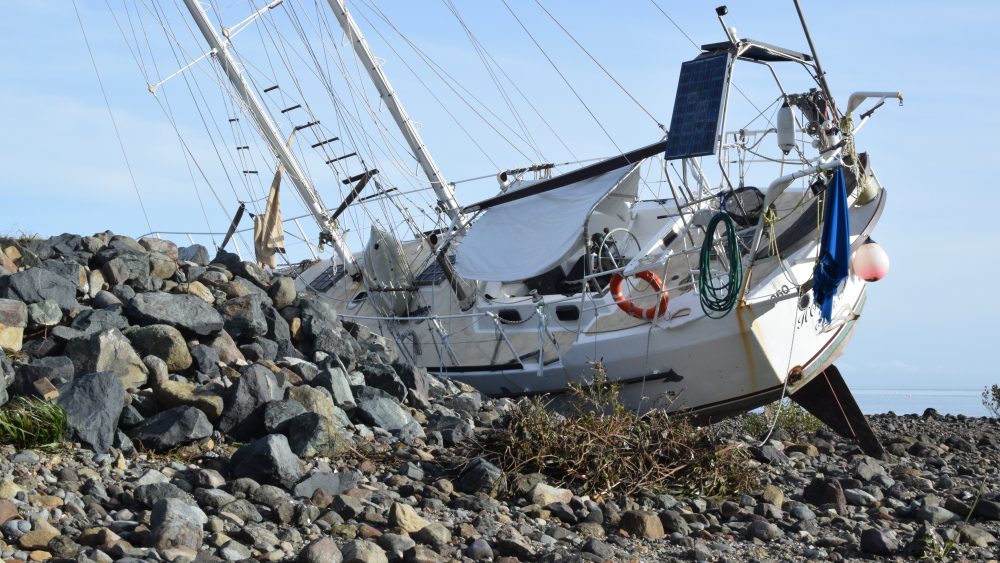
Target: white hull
[
  {"x": 706, "y": 365},
  {"x": 682, "y": 361}
]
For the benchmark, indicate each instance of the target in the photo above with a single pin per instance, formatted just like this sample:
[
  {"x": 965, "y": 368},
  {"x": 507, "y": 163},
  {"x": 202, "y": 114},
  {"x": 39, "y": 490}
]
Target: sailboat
[{"x": 740, "y": 286}]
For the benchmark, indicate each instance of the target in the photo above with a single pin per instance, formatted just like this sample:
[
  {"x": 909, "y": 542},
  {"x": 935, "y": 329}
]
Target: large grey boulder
[
  {"x": 123, "y": 265},
  {"x": 313, "y": 399},
  {"x": 382, "y": 376},
  {"x": 879, "y": 541},
  {"x": 310, "y": 435},
  {"x": 89, "y": 322},
  {"x": 175, "y": 523},
  {"x": 277, "y": 415},
  {"x": 69, "y": 269},
  {"x": 479, "y": 476},
  {"x": 195, "y": 253},
  {"x": 93, "y": 402},
  {"x": 364, "y": 551},
  {"x": 184, "y": 312},
  {"x": 13, "y": 320},
  {"x": 57, "y": 369},
  {"x": 334, "y": 381},
  {"x": 243, "y": 317},
  {"x": 267, "y": 460},
  {"x": 243, "y": 414},
  {"x": 280, "y": 332},
  {"x": 282, "y": 292},
  {"x": 416, "y": 379},
  {"x": 378, "y": 408},
  {"x": 44, "y": 314},
  {"x": 332, "y": 483},
  {"x": 172, "y": 427},
  {"x": 205, "y": 360},
  {"x": 38, "y": 284},
  {"x": 161, "y": 246},
  {"x": 323, "y": 332},
  {"x": 108, "y": 350},
  {"x": 323, "y": 550},
  {"x": 164, "y": 342}
]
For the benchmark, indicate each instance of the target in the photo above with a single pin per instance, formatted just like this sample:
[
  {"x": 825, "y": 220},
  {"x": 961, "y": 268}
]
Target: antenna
[{"x": 720, "y": 12}]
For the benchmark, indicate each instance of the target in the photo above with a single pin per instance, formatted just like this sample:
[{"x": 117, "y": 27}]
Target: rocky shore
[{"x": 215, "y": 413}]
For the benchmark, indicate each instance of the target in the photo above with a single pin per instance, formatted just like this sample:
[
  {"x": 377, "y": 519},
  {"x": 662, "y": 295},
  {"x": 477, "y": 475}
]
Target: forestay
[{"x": 526, "y": 237}]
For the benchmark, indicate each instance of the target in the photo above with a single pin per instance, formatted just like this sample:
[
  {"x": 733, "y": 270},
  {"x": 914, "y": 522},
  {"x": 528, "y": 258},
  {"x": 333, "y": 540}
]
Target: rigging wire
[
  {"x": 527, "y": 100},
  {"x": 561, "y": 75},
  {"x": 111, "y": 114},
  {"x": 436, "y": 98},
  {"x": 282, "y": 47},
  {"x": 600, "y": 66},
  {"x": 451, "y": 82},
  {"x": 480, "y": 51},
  {"x": 406, "y": 218}
]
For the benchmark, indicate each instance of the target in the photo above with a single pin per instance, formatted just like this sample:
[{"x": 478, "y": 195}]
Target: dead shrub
[{"x": 602, "y": 448}]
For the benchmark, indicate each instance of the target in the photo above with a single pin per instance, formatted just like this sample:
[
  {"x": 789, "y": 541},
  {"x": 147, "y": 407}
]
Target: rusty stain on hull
[{"x": 746, "y": 327}]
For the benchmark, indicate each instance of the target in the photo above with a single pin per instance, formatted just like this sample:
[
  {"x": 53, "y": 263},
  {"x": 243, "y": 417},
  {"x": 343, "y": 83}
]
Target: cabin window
[
  {"x": 567, "y": 313},
  {"x": 358, "y": 299},
  {"x": 509, "y": 315}
]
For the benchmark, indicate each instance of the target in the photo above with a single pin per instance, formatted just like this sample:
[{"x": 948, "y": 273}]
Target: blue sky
[{"x": 64, "y": 171}]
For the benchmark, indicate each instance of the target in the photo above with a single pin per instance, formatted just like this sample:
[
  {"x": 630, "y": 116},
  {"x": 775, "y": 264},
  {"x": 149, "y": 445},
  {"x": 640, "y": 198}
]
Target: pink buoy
[{"x": 870, "y": 262}]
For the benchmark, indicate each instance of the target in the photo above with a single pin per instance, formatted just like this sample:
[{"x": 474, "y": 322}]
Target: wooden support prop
[{"x": 354, "y": 192}]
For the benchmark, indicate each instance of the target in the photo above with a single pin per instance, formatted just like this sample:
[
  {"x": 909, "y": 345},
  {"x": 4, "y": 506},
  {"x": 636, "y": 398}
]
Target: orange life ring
[{"x": 624, "y": 304}]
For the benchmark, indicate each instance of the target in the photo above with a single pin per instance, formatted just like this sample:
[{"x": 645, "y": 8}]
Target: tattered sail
[{"x": 268, "y": 231}]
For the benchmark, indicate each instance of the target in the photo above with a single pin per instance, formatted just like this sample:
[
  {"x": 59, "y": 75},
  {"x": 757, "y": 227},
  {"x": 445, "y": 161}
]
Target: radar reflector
[{"x": 697, "y": 117}]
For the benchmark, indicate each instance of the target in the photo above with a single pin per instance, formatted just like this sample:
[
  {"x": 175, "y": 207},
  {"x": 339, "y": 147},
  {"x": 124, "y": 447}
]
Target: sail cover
[{"x": 526, "y": 237}]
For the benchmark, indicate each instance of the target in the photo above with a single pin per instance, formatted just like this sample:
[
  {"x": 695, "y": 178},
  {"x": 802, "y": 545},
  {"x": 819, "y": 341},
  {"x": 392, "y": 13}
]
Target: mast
[
  {"x": 443, "y": 190},
  {"x": 269, "y": 130}
]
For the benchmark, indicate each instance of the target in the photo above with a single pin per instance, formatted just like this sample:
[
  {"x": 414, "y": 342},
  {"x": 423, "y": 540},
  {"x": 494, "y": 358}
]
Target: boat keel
[{"x": 827, "y": 398}]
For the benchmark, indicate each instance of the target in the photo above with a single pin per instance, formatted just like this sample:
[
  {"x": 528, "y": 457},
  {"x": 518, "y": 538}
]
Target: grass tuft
[
  {"x": 796, "y": 421},
  {"x": 32, "y": 423},
  {"x": 603, "y": 448}
]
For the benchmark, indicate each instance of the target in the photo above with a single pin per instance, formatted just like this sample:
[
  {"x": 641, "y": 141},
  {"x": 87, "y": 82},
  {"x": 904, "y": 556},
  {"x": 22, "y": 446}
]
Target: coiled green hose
[{"x": 716, "y": 299}]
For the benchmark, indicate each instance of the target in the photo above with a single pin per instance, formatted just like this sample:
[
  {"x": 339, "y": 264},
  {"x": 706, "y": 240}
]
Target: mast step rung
[
  {"x": 361, "y": 176},
  {"x": 234, "y": 119},
  {"x": 250, "y": 172},
  {"x": 296, "y": 106},
  {"x": 243, "y": 148},
  {"x": 321, "y": 143},
  {"x": 270, "y": 88},
  {"x": 306, "y": 125},
  {"x": 380, "y": 194},
  {"x": 332, "y": 160}
]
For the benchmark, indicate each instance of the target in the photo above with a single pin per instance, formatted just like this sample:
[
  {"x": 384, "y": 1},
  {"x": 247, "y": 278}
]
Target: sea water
[{"x": 878, "y": 400}]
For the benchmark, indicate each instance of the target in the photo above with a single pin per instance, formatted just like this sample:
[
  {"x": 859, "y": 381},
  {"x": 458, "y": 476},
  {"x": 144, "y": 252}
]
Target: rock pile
[{"x": 225, "y": 416}]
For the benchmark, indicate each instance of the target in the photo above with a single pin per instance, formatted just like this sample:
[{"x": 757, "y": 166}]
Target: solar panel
[
  {"x": 432, "y": 275},
  {"x": 330, "y": 276},
  {"x": 701, "y": 94}
]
